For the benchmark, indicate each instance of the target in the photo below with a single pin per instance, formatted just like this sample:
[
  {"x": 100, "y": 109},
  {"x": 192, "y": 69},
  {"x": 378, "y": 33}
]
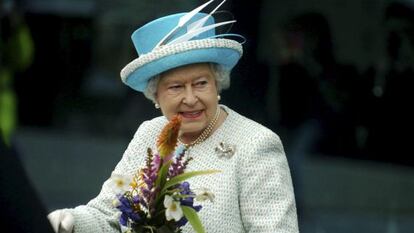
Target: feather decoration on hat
[
  {"x": 195, "y": 28},
  {"x": 199, "y": 23}
]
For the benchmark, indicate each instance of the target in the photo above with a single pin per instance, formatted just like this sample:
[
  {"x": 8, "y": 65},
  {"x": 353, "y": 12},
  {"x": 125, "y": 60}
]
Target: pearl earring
[
  {"x": 157, "y": 106},
  {"x": 218, "y": 97}
]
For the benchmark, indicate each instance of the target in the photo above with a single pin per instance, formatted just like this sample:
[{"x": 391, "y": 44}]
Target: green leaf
[
  {"x": 193, "y": 219},
  {"x": 182, "y": 177},
  {"x": 162, "y": 174}
]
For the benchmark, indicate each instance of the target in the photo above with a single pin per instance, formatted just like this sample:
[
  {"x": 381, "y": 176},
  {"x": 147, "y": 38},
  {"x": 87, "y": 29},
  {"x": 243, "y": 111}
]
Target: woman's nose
[{"x": 190, "y": 98}]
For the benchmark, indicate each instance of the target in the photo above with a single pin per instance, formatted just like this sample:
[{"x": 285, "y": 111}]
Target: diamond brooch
[{"x": 225, "y": 150}]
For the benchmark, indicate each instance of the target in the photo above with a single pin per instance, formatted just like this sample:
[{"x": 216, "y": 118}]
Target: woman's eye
[
  {"x": 201, "y": 83},
  {"x": 174, "y": 87}
]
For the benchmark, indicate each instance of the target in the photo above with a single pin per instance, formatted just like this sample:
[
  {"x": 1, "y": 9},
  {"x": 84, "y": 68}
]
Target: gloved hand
[{"x": 62, "y": 221}]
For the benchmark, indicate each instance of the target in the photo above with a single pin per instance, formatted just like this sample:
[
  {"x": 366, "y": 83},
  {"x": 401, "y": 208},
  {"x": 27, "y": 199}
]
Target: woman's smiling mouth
[{"x": 191, "y": 115}]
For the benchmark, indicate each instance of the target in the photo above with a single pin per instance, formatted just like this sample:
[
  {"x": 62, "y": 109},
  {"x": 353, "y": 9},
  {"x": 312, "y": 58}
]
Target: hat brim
[{"x": 221, "y": 51}]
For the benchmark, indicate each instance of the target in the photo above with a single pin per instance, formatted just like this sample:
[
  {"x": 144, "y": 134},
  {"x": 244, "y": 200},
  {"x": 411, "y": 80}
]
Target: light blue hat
[{"x": 176, "y": 40}]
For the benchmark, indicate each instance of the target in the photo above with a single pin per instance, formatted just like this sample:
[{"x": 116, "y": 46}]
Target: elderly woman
[{"x": 182, "y": 68}]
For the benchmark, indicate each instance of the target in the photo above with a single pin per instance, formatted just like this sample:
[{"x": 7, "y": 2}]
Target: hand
[{"x": 62, "y": 221}]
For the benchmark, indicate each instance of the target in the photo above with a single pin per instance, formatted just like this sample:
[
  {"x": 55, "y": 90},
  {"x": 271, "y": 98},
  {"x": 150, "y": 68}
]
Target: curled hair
[{"x": 221, "y": 75}]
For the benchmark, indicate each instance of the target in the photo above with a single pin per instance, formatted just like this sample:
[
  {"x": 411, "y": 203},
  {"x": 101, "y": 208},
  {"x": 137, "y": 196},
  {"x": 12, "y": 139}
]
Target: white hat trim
[{"x": 167, "y": 50}]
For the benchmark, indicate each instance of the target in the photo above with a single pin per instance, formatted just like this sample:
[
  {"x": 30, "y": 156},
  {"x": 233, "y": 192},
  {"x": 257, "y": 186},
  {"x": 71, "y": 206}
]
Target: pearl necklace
[{"x": 204, "y": 135}]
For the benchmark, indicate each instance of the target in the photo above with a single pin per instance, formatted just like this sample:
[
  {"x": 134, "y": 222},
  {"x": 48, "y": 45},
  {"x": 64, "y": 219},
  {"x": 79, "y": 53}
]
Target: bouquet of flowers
[{"x": 158, "y": 198}]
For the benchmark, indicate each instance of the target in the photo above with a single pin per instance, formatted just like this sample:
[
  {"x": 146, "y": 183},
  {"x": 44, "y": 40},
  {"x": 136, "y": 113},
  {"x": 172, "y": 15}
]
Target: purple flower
[
  {"x": 136, "y": 199},
  {"x": 134, "y": 216},
  {"x": 125, "y": 206},
  {"x": 188, "y": 201},
  {"x": 156, "y": 163},
  {"x": 127, "y": 209},
  {"x": 185, "y": 188},
  {"x": 179, "y": 164},
  {"x": 123, "y": 220}
]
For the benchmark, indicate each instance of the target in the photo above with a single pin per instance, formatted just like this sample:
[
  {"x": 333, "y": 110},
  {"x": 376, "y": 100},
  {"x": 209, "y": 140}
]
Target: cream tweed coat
[{"x": 253, "y": 192}]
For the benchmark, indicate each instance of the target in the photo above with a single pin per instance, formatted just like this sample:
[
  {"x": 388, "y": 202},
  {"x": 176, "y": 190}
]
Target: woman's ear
[
  {"x": 156, "y": 98},
  {"x": 156, "y": 101}
]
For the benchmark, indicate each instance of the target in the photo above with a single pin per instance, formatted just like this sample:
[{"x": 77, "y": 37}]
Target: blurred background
[{"x": 333, "y": 78}]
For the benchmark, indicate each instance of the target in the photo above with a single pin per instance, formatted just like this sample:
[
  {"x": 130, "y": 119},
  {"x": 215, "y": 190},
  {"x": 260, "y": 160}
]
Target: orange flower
[{"x": 167, "y": 140}]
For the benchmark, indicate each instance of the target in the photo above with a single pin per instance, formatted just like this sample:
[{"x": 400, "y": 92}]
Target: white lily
[
  {"x": 120, "y": 183},
  {"x": 205, "y": 194},
  {"x": 173, "y": 209}
]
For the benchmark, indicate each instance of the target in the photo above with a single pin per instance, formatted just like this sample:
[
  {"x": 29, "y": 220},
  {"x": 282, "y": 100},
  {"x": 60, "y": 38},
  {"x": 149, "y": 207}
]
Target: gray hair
[{"x": 222, "y": 81}]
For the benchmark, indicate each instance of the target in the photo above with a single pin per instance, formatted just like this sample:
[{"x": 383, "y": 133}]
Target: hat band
[{"x": 168, "y": 50}]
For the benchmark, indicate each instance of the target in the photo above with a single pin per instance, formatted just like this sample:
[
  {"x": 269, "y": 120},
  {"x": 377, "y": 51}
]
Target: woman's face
[{"x": 190, "y": 91}]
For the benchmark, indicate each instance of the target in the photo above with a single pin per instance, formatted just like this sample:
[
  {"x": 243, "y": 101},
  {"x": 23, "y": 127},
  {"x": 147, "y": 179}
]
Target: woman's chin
[{"x": 191, "y": 130}]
